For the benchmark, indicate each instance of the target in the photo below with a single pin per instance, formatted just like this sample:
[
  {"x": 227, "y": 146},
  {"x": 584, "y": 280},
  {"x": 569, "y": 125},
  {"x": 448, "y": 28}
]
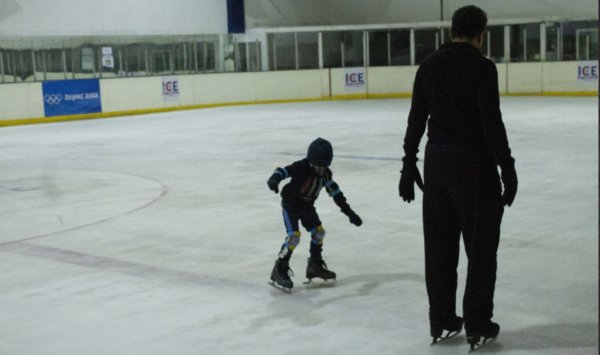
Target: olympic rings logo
[{"x": 53, "y": 99}]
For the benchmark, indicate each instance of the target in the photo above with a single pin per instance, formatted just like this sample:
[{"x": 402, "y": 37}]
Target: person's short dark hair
[{"x": 468, "y": 21}]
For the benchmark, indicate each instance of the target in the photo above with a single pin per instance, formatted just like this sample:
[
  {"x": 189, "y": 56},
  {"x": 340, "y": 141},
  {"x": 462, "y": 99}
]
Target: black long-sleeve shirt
[{"x": 456, "y": 87}]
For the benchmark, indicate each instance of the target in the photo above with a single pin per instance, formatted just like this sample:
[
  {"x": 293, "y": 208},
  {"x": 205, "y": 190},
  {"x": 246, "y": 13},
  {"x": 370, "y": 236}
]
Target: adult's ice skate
[
  {"x": 452, "y": 326},
  {"x": 488, "y": 331}
]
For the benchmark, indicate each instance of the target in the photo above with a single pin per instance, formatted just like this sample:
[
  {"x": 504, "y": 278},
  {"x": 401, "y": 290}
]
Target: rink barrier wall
[{"x": 22, "y": 103}]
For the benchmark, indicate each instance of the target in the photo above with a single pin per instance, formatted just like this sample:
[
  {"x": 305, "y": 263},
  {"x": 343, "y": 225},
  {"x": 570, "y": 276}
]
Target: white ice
[{"x": 157, "y": 234}]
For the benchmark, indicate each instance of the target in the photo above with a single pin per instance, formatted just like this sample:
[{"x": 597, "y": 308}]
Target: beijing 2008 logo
[{"x": 53, "y": 99}]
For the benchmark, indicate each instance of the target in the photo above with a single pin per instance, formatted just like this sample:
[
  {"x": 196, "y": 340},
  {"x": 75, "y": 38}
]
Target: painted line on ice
[
  {"x": 163, "y": 193},
  {"x": 356, "y": 157},
  {"x": 109, "y": 264}
]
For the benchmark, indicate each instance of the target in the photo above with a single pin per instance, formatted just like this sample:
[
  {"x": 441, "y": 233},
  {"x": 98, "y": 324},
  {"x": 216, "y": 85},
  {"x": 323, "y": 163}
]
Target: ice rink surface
[{"x": 157, "y": 234}]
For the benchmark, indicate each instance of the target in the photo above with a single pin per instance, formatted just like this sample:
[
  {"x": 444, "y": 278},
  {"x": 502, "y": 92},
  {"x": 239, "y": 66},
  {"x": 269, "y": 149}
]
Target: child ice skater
[{"x": 308, "y": 177}]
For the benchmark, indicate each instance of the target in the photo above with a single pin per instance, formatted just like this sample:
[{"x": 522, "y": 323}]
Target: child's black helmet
[{"x": 320, "y": 152}]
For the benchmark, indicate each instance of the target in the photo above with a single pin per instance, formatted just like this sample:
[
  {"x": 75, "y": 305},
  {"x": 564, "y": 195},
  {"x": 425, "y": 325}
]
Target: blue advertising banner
[{"x": 71, "y": 97}]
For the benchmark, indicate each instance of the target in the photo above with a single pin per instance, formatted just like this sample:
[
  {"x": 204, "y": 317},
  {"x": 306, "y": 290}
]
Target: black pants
[{"x": 462, "y": 195}]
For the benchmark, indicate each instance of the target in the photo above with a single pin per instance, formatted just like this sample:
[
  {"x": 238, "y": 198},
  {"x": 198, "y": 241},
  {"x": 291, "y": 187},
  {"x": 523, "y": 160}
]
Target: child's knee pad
[
  {"x": 318, "y": 234},
  {"x": 293, "y": 240}
]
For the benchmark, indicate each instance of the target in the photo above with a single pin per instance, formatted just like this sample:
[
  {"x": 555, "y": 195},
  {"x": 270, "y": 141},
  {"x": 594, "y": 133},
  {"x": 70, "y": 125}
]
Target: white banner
[
  {"x": 587, "y": 71},
  {"x": 170, "y": 88},
  {"x": 355, "y": 79},
  {"x": 108, "y": 61}
]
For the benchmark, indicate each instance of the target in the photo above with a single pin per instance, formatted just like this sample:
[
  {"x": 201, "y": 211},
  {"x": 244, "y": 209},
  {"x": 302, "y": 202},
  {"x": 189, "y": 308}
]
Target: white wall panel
[
  {"x": 21, "y": 101},
  {"x": 288, "y": 85},
  {"x": 524, "y": 78},
  {"x": 386, "y": 80},
  {"x": 225, "y": 88},
  {"x": 131, "y": 93},
  {"x": 24, "y": 100}
]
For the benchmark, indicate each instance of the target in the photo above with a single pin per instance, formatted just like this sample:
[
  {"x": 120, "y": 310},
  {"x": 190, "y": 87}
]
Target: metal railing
[{"x": 62, "y": 58}]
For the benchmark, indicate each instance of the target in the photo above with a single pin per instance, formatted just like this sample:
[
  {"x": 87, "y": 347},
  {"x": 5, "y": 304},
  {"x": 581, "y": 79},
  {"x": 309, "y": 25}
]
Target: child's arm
[
  {"x": 278, "y": 175},
  {"x": 283, "y": 173},
  {"x": 338, "y": 197}
]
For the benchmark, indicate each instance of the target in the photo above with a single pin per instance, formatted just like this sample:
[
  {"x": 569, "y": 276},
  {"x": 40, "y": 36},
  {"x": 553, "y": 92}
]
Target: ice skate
[
  {"x": 318, "y": 268},
  {"x": 280, "y": 276},
  {"x": 488, "y": 331},
  {"x": 452, "y": 326}
]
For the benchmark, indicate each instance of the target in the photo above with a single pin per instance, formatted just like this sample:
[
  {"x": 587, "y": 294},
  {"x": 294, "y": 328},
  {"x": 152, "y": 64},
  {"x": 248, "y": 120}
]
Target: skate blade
[
  {"x": 325, "y": 283},
  {"x": 476, "y": 344},
  {"x": 280, "y": 288},
  {"x": 449, "y": 335}
]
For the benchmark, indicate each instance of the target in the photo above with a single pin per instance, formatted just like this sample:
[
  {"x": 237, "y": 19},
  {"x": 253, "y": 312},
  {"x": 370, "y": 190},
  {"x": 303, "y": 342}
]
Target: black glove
[
  {"x": 340, "y": 200},
  {"x": 354, "y": 218},
  {"x": 273, "y": 182},
  {"x": 510, "y": 182},
  {"x": 409, "y": 175}
]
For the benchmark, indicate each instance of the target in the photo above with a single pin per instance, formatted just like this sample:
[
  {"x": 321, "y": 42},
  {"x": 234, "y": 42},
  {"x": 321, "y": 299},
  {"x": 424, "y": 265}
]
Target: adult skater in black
[
  {"x": 456, "y": 94},
  {"x": 308, "y": 177}
]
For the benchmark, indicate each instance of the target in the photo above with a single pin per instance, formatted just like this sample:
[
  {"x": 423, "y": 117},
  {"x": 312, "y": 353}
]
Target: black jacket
[
  {"x": 456, "y": 87},
  {"x": 303, "y": 189}
]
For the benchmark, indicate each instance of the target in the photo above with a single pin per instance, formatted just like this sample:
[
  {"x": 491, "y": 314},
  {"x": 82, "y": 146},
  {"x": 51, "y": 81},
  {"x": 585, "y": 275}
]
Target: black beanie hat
[{"x": 320, "y": 152}]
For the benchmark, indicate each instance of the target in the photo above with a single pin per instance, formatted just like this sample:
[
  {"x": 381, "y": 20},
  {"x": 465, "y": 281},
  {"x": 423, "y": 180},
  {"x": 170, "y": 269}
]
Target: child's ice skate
[
  {"x": 318, "y": 268},
  {"x": 280, "y": 276}
]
